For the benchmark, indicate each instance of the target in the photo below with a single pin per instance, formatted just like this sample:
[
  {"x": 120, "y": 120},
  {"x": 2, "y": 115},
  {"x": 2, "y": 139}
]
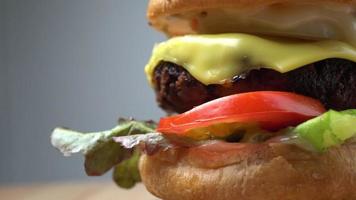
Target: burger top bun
[
  {"x": 270, "y": 172},
  {"x": 331, "y": 19}
]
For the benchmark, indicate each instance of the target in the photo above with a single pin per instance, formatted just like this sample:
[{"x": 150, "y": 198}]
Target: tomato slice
[{"x": 269, "y": 110}]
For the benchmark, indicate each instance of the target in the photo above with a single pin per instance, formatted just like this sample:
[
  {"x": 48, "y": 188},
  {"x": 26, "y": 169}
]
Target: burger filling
[
  {"x": 210, "y": 79},
  {"x": 331, "y": 81},
  {"x": 215, "y": 59}
]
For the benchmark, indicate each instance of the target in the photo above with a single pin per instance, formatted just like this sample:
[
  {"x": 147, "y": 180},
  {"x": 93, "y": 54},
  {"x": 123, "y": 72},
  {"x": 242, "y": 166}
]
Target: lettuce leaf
[
  {"x": 329, "y": 129},
  {"x": 100, "y": 150},
  {"x": 115, "y": 148},
  {"x": 126, "y": 173}
]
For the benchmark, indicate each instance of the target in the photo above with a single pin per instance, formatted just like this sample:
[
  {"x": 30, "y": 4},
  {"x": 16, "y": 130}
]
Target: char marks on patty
[{"x": 332, "y": 81}]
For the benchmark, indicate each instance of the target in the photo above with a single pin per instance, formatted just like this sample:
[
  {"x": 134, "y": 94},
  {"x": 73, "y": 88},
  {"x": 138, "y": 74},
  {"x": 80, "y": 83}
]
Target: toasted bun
[
  {"x": 300, "y": 18},
  {"x": 168, "y": 7},
  {"x": 274, "y": 171}
]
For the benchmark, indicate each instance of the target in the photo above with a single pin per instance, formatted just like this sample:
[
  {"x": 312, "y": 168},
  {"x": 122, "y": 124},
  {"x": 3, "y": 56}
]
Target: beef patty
[{"x": 332, "y": 81}]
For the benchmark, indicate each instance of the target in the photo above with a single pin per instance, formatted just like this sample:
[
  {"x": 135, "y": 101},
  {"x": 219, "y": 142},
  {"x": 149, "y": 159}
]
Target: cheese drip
[{"x": 213, "y": 59}]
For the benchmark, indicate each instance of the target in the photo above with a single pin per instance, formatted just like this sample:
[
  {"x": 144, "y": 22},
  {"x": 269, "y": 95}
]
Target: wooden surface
[{"x": 74, "y": 191}]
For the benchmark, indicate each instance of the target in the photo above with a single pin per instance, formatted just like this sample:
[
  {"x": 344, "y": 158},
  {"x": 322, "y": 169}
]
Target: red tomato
[{"x": 270, "y": 110}]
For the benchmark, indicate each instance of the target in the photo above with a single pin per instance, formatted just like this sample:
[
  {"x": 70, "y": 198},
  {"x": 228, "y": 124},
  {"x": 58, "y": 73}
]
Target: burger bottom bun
[{"x": 276, "y": 171}]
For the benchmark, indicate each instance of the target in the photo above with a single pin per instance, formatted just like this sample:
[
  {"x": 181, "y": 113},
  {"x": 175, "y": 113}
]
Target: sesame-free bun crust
[
  {"x": 157, "y": 8},
  {"x": 268, "y": 17},
  {"x": 273, "y": 172}
]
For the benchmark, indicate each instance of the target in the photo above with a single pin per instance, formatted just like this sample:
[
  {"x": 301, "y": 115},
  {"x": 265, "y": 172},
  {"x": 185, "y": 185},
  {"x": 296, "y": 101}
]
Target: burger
[{"x": 261, "y": 103}]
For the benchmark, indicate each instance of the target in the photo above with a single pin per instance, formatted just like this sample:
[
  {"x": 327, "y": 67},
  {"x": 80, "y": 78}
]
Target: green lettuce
[
  {"x": 329, "y": 129},
  {"x": 114, "y": 149},
  {"x": 101, "y": 152},
  {"x": 126, "y": 173}
]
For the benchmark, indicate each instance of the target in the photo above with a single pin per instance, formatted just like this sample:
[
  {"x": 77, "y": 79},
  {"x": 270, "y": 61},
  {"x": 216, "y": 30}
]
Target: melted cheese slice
[{"x": 213, "y": 59}]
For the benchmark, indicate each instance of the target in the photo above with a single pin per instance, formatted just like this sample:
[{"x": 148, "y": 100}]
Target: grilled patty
[{"x": 332, "y": 81}]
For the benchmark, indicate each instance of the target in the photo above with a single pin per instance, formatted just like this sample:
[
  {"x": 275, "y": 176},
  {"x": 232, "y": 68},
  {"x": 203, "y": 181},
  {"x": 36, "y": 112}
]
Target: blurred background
[{"x": 72, "y": 63}]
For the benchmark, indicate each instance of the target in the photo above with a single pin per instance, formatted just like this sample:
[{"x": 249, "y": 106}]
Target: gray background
[{"x": 73, "y": 63}]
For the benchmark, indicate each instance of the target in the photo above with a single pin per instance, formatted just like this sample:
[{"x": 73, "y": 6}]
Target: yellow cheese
[{"x": 213, "y": 59}]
